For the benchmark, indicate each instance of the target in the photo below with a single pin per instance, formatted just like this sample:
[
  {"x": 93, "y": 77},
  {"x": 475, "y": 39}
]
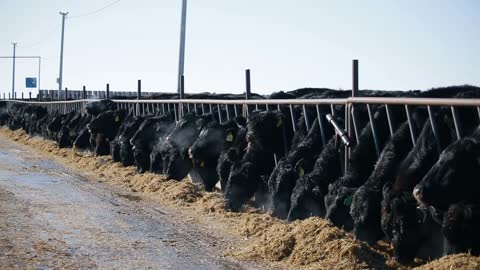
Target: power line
[
  {"x": 47, "y": 37},
  {"x": 94, "y": 11}
]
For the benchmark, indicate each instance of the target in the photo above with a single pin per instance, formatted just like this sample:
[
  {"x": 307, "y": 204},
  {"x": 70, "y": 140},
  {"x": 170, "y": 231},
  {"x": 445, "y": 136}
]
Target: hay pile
[
  {"x": 453, "y": 262},
  {"x": 309, "y": 244},
  {"x": 313, "y": 243}
]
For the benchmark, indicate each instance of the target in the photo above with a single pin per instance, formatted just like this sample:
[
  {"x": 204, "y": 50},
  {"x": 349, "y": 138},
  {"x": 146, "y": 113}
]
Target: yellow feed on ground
[{"x": 308, "y": 244}]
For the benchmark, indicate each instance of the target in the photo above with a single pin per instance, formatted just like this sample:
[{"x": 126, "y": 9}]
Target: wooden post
[
  {"x": 108, "y": 91},
  {"x": 84, "y": 92},
  {"x": 66, "y": 93}
]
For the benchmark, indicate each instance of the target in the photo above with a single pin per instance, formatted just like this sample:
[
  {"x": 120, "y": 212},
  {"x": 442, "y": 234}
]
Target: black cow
[
  {"x": 411, "y": 170},
  {"x": 120, "y": 147},
  {"x": 412, "y": 231},
  {"x": 269, "y": 133},
  {"x": 104, "y": 128},
  {"x": 299, "y": 161},
  {"x": 54, "y": 124},
  {"x": 232, "y": 155},
  {"x": 453, "y": 177},
  {"x": 63, "y": 137},
  {"x": 460, "y": 226},
  {"x": 82, "y": 140},
  {"x": 206, "y": 150},
  {"x": 76, "y": 125},
  {"x": 150, "y": 133},
  {"x": 177, "y": 143},
  {"x": 366, "y": 201},
  {"x": 361, "y": 164},
  {"x": 308, "y": 194}
]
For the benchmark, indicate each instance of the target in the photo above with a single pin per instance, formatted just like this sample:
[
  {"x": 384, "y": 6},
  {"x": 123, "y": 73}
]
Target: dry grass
[{"x": 309, "y": 244}]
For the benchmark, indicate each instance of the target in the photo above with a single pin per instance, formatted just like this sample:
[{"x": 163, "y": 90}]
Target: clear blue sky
[{"x": 408, "y": 44}]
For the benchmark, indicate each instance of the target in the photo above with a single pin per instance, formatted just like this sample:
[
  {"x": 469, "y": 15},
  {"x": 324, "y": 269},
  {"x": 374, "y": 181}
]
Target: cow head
[
  {"x": 179, "y": 165},
  {"x": 306, "y": 200},
  {"x": 401, "y": 221},
  {"x": 209, "y": 143},
  {"x": 107, "y": 123},
  {"x": 338, "y": 202},
  {"x": 453, "y": 177},
  {"x": 365, "y": 212},
  {"x": 178, "y": 142}
]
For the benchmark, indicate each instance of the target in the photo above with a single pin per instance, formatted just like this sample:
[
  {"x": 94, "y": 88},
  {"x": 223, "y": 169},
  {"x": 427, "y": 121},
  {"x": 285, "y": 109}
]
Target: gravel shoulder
[{"x": 51, "y": 218}]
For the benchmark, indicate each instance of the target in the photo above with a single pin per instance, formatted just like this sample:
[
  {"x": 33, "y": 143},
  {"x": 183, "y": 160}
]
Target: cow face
[
  {"x": 307, "y": 200},
  {"x": 453, "y": 177},
  {"x": 460, "y": 228},
  {"x": 55, "y": 124},
  {"x": 107, "y": 123},
  {"x": 401, "y": 222},
  {"x": 338, "y": 202},
  {"x": 178, "y": 166},
  {"x": 83, "y": 140},
  {"x": 265, "y": 132},
  {"x": 365, "y": 212},
  {"x": 210, "y": 143}
]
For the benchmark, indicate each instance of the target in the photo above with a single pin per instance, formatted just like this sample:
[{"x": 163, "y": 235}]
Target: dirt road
[{"x": 52, "y": 219}]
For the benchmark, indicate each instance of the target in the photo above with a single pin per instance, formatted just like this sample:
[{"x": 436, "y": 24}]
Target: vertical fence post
[
  {"x": 247, "y": 90},
  {"x": 8, "y": 95},
  {"x": 66, "y": 93},
  {"x": 84, "y": 92},
  {"x": 355, "y": 78},
  {"x": 29, "y": 96},
  {"x": 182, "y": 95},
  {"x": 139, "y": 96},
  {"x": 350, "y": 111},
  {"x": 108, "y": 91},
  {"x": 22, "y": 95}
]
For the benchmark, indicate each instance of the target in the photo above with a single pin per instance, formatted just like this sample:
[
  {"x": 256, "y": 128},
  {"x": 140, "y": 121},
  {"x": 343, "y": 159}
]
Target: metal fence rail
[{"x": 227, "y": 109}]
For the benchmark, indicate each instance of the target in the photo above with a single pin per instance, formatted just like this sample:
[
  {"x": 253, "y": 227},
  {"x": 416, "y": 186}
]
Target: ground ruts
[{"x": 309, "y": 244}]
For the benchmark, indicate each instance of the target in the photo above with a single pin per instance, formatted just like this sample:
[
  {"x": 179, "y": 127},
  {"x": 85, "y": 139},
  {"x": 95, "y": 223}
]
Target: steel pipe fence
[{"x": 229, "y": 109}]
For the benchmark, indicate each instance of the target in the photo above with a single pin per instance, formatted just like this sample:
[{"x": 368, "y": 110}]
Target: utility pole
[
  {"x": 13, "y": 76},
  {"x": 60, "y": 76},
  {"x": 181, "y": 57}
]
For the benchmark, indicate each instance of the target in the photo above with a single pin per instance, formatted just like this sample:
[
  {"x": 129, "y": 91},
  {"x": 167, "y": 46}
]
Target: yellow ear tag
[
  {"x": 117, "y": 118},
  {"x": 301, "y": 171},
  {"x": 229, "y": 137},
  {"x": 202, "y": 165},
  {"x": 279, "y": 121}
]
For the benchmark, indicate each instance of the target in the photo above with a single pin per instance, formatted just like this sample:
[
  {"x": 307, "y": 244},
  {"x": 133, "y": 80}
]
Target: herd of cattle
[{"x": 422, "y": 195}]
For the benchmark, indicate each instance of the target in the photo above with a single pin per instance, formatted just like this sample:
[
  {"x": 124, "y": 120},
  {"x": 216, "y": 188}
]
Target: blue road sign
[{"x": 31, "y": 82}]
